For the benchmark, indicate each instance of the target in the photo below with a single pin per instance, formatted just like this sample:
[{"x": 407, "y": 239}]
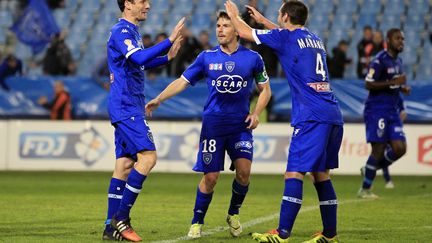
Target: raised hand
[
  {"x": 255, "y": 14},
  {"x": 177, "y": 31},
  {"x": 175, "y": 48},
  {"x": 232, "y": 9}
]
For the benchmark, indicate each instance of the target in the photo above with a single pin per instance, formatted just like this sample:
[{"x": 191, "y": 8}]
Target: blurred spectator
[
  {"x": 60, "y": 107},
  {"x": 58, "y": 58},
  {"x": 9, "y": 67},
  {"x": 203, "y": 41},
  {"x": 339, "y": 60},
  {"x": 270, "y": 59},
  {"x": 101, "y": 74},
  {"x": 364, "y": 48},
  {"x": 56, "y": 3},
  {"x": 378, "y": 43},
  {"x": 147, "y": 40},
  {"x": 186, "y": 54},
  {"x": 162, "y": 70}
]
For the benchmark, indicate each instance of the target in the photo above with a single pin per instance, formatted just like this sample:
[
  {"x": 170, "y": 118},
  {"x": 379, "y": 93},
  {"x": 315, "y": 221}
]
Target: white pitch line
[{"x": 258, "y": 221}]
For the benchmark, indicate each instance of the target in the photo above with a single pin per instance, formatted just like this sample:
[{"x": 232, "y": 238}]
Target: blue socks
[
  {"x": 291, "y": 203},
  {"x": 328, "y": 207},
  {"x": 370, "y": 173},
  {"x": 386, "y": 174},
  {"x": 238, "y": 195},
  {"x": 115, "y": 194},
  {"x": 202, "y": 203},
  {"x": 389, "y": 157},
  {"x": 130, "y": 194}
]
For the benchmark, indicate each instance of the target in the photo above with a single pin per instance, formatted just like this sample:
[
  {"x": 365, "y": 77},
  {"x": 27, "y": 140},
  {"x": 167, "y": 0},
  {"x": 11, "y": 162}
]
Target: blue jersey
[
  {"x": 303, "y": 59},
  {"x": 126, "y": 98},
  {"x": 382, "y": 69},
  {"x": 229, "y": 80}
]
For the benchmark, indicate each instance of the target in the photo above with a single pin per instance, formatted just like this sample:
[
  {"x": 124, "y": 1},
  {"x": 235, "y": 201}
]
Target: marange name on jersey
[{"x": 307, "y": 42}]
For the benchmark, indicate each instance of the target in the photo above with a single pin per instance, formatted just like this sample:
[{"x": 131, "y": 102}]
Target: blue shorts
[
  {"x": 132, "y": 136},
  {"x": 384, "y": 127},
  {"x": 211, "y": 153},
  {"x": 314, "y": 147}
]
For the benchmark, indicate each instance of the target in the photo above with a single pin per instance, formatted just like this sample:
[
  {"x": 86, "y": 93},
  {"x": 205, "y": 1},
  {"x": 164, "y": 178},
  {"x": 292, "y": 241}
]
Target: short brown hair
[{"x": 296, "y": 10}]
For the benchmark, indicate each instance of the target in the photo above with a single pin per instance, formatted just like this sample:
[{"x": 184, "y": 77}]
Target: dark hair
[
  {"x": 391, "y": 32},
  {"x": 297, "y": 12},
  {"x": 222, "y": 14},
  {"x": 367, "y": 27},
  {"x": 121, "y": 4}
]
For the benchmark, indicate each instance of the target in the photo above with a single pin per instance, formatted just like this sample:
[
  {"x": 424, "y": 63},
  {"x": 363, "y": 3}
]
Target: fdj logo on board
[{"x": 87, "y": 146}]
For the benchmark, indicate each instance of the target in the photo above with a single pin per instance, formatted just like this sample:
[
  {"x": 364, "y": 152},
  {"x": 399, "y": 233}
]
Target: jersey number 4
[{"x": 319, "y": 69}]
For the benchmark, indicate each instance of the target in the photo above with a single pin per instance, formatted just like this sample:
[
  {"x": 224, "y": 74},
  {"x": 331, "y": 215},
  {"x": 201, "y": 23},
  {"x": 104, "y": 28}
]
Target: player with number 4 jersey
[
  {"x": 231, "y": 72},
  {"x": 316, "y": 117}
]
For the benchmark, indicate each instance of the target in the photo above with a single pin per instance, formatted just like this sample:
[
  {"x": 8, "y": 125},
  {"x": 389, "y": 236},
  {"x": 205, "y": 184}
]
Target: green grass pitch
[{"x": 71, "y": 206}]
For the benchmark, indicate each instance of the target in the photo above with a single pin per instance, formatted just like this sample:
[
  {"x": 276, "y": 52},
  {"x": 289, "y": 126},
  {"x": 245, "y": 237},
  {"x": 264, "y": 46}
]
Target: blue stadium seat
[
  {"x": 366, "y": 19},
  {"x": 418, "y": 7},
  {"x": 415, "y": 21},
  {"x": 409, "y": 55},
  {"x": 6, "y": 18},
  {"x": 206, "y": 6},
  {"x": 323, "y": 7},
  {"x": 319, "y": 21},
  {"x": 201, "y": 21},
  {"x": 342, "y": 21},
  {"x": 155, "y": 20},
  {"x": 160, "y": 7},
  {"x": 412, "y": 38},
  {"x": 183, "y": 6},
  {"x": 370, "y": 7},
  {"x": 346, "y": 7},
  {"x": 390, "y": 21},
  {"x": 394, "y": 7}
]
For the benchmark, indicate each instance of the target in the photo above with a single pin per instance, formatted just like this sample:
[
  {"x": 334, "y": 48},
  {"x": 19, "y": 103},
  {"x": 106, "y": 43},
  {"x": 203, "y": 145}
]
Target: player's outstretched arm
[
  {"x": 244, "y": 30},
  {"x": 177, "y": 31},
  {"x": 171, "y": 90},
  {"x": 385, "y": 85},
  {"x": 259, "y": 18},
  {"x": 263, "y": 99}
]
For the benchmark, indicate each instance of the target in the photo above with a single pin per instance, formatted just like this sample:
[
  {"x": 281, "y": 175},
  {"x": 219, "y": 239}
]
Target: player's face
[
  {"x": 139, "y": 9},
  {"x": 225, "y": 31},
  {"x": 281, "y": 18},
  {"x": 397, "y": 41}
]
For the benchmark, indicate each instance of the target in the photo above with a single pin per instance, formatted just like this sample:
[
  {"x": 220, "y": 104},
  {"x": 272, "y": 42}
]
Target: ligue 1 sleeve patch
[
  {"x": 263, "y": 32},
  {"x": 129, "y": 44}
]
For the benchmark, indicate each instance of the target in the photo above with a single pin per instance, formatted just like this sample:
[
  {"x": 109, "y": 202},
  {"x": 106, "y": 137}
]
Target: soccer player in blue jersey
[
  {"x": 385, "y": 80},
  {"x": 127, "y": 60},
  {"x": 229, "y": 70},
  {"x": 316, "y": 117}
]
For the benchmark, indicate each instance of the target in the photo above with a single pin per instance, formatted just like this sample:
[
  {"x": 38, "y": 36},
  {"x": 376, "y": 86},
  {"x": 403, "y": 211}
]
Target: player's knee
[
  {"x": 242, "y": 177},
  {"x": 210, "y": 181},
  {"x": 399, "y": 151}
]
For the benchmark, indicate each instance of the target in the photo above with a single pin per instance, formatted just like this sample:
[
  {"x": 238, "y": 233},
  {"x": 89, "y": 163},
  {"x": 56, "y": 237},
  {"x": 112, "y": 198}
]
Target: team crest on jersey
[
  {"x": 229, "y": 66},
  {"x": 129, "y": 44},
  {"x": 207, "y": 158},
  {"x": 215, "y": 66}
]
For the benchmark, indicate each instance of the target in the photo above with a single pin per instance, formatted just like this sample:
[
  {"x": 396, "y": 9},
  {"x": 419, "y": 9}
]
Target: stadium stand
[{"x": 87, "y": 25}]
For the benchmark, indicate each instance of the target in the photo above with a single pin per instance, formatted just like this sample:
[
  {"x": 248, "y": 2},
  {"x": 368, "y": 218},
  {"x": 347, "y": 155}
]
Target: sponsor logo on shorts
[
  {"x": 243, "y": 144},
  {"x": 207, "y": 158},
  {"x": 425, "y": 150}
]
